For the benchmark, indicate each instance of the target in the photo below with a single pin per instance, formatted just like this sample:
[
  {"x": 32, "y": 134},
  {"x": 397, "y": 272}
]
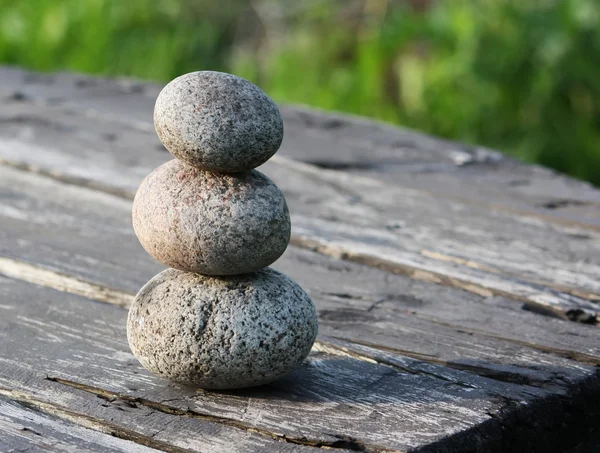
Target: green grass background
[{"x": 519, "y": 76}]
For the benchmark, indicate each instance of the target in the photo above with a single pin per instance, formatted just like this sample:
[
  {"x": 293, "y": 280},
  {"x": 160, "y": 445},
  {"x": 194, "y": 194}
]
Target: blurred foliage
[
  {"x": 151, "y": 39},
  {"x": 520, "y": 76}
]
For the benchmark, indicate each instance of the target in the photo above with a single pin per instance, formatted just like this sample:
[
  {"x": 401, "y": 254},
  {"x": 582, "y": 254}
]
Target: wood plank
[
  {"x": 65, "y": 343},
  {"x": 99, "y": 413},
  {"x": 548, "y": 266},
  {"x": 447, "y": 169},
  {"x": 489, "y": 249},
  {"x": 440, "y": 370},
  {"x": 23, "y": 428},
  {"x": 78, "y": 232},
  {"x": 352, "y": 144},
  {"x": 81, "y": 241},
  {"x": 142, "y": 422},
  {"x": 361, "y": 405}
]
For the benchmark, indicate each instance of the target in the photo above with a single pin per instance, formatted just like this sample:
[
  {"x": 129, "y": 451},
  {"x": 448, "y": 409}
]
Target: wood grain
[
  {"x": 25, "y": 428},
  {"x": 431, "y": 337},
  {"x": 404, "y": 405},
  {"x": 548, "y": 266},
  {"x": 346, "y": 143},
  {"x": 100, "y": 413},
  {"x": 66, "y": 233},
  {"x": 443, "y": 168}
]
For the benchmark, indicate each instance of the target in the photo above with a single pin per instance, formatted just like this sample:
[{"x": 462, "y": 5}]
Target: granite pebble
[
  {"x": 218, "y": 122},
  {"x": 221, "y": 333},
  {"x": 213, "y": 224}
]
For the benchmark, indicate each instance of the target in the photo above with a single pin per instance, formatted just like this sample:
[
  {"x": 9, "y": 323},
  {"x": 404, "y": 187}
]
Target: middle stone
[{"x": 209, "y": 223}]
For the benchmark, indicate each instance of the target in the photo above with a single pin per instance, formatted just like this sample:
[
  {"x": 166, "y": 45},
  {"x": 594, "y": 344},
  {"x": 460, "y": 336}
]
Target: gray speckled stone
[
  {"x": 217, "y": 122},
  {"x": 221, "y": 332},
  {"x": 210, "y": 223}
]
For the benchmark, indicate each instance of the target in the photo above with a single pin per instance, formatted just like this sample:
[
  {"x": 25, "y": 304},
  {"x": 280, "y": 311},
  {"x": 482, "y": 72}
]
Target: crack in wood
[
  {"x": 330, "y": 348},
  {"x": 332, "y": 165},
  {"x": 490, "y": 373},
  {"x": 44, "y": 277},
  {"x": 471, "y": 154},
  {"x": 583, "y": 315},
  {"x": 573, "y": 314},
  {"x": 526, "y": 421},
  {"x": 563, "y": 203},
  {"x": 580, "y": 314},
  {"x": 475, "y": 265},
  {"x": 88, "y": 422},
  {"x": 344, "y": 442},
  {"x": 567, "y": 354},
  {"x": 311, "y": 167}
]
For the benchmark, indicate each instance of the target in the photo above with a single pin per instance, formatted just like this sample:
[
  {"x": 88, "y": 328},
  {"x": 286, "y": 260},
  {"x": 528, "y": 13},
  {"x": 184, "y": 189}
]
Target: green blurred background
[{"x": 520, "y": 76}]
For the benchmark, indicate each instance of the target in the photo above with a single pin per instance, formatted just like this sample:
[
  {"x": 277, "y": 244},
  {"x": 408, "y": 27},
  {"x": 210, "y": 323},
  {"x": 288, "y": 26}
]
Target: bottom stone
[{"x": 221, "y": 332}]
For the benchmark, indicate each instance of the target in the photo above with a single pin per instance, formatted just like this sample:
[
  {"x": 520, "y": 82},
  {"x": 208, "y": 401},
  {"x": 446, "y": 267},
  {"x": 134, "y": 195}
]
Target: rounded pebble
[
  {"x": 211, "y": 223},
  {"x": 218, "y": 122},
  {"x": 221, "y": 333}
]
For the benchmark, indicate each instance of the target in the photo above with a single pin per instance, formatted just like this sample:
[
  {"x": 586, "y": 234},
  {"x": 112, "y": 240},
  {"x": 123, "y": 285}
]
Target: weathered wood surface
[
  {"x": 441, "y": 349},
  {"x": 350, "y": 144},
  {"x": 548, "y": 265},
  {"x": 352, "y": 403},
  {"x": 24, "y": 428},
  {"x": 79, "y": 232}
]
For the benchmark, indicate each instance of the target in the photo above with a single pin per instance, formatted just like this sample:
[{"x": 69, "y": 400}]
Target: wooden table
[{"x": 458, "y": 290}]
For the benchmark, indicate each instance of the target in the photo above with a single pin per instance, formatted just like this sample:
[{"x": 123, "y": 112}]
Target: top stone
[{"x": 217, "y": 122}]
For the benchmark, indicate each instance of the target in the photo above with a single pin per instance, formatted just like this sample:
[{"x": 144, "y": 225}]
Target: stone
[
  {"x": 218, "y": 122},
  {"x": 221, "y": 332},
  {"x": 210, "y": 223}
]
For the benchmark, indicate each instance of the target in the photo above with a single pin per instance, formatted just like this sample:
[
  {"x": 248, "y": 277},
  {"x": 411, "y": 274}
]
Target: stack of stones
[{"x": 219, "y": 319}]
